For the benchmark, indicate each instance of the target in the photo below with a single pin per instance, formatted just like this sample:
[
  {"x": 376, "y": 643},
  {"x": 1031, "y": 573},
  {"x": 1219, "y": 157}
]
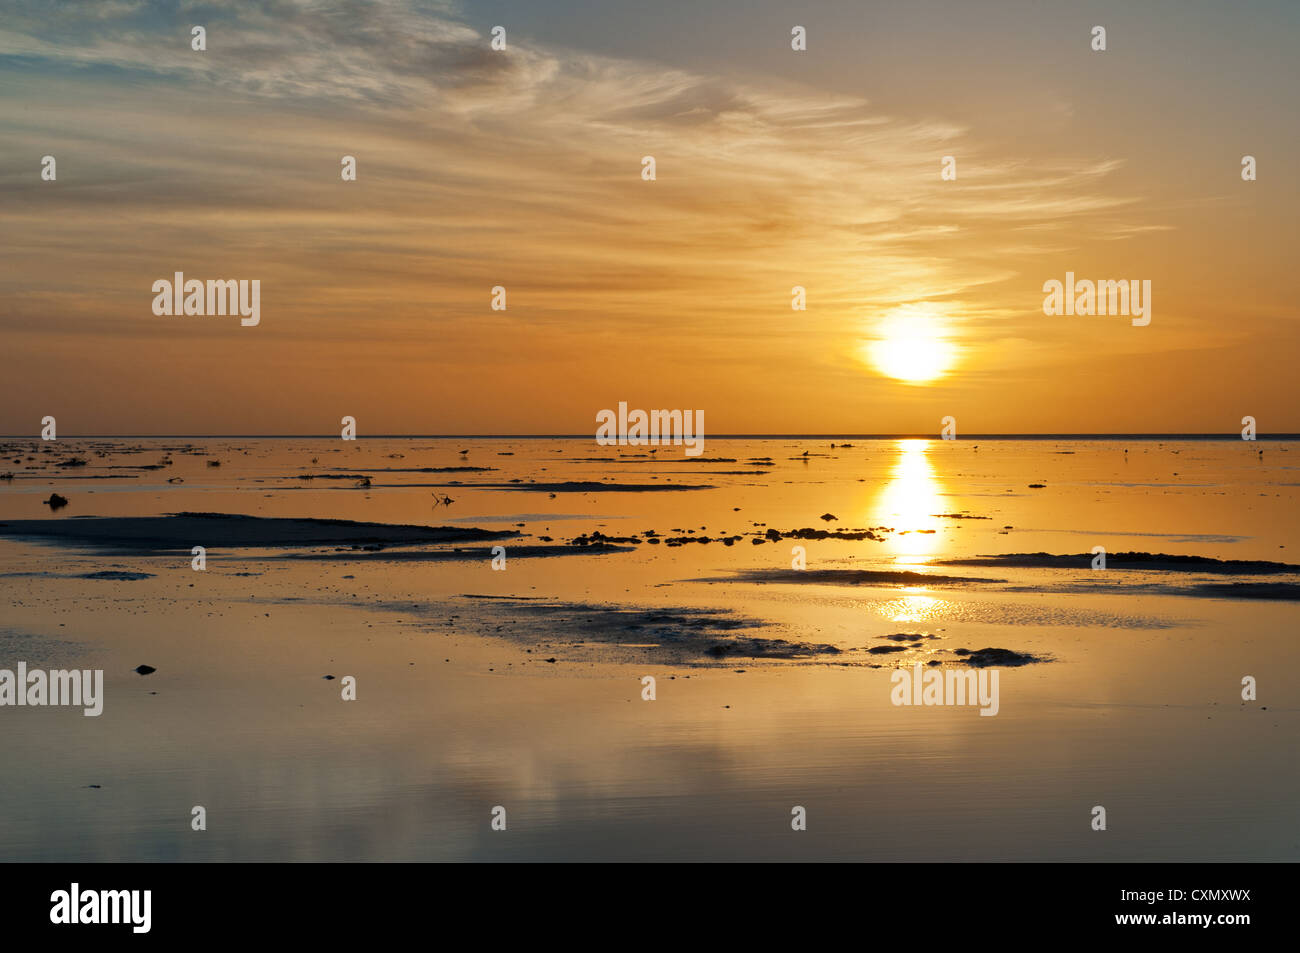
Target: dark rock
[{"x": 983, "y": 658}]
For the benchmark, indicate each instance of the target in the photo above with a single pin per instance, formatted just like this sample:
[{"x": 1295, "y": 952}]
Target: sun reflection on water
[
  {"x": 913, "y": 608},
  {"x": 908, "y": 503}
]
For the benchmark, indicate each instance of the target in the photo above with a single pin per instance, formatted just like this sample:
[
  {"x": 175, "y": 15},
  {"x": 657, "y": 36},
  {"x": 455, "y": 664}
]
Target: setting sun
[{"x": 911, "y": 345}]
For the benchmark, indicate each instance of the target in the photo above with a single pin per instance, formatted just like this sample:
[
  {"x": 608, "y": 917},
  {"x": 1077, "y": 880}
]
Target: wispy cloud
[{"x": 478, "y": 168}]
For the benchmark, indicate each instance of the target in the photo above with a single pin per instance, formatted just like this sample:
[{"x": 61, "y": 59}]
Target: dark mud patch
[
  {"x": 578, "y": 486},
  {"x": 769, "y": 649},
  {"x": 358, "y": 476},
  {"x": 811, "y": 532},
  {"x": 1000, "y": 658},
  {"x": 377, "y": 553},
  {"x": 1278, "y": 591},
  {"x": 1155, "y": 562},
  {"x": 79, "y": 477},
  {"x": 646, "y": 458},
  {"x": 851, "y": 577},
  {"x": 577, "y": 631},
  {"x": 1281, "y": 591},
  {"x": 179, "y": 532}
]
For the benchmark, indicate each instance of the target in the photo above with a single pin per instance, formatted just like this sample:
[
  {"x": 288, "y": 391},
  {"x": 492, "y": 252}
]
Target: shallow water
[{"x": 1135, "y": 706}]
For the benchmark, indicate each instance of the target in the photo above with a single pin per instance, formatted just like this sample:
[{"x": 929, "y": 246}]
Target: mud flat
[
  {"x": 373, "y": 552},
  {"x": 579, "y": 486},
  {"x": 851, "y": 577},
  {"x": 1155, "y": 562},
  {"x": 1281, "y": 591},
  {"x": 181, "y": 531},
  {"x": 573, "y": 631}
]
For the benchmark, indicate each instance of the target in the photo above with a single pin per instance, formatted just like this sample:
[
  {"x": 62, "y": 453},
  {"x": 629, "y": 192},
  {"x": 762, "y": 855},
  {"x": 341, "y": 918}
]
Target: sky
[{"x": 774, "y": 168}]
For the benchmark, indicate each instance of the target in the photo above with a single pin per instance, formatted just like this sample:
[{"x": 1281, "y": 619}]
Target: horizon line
[{"x": 1231, "y": 435}]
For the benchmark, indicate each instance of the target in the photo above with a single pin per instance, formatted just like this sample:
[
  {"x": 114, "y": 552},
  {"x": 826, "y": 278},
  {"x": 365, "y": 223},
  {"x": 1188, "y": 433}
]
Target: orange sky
[{"x": 522, "y": 169}]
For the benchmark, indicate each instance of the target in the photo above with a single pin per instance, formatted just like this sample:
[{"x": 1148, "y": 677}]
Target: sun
[{"x": 911, "y": 344}]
